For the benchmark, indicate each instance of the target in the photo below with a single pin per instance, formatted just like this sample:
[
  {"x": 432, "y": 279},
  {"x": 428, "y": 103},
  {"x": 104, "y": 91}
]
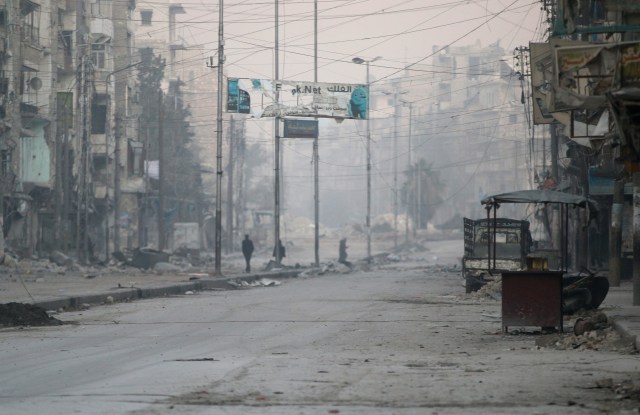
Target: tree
[
  {"x": 150, "y": 75},
  {"x": 182, "y": 189},
  {"x": 183, "y": 181},
  {"x": 422, "y": 193}
]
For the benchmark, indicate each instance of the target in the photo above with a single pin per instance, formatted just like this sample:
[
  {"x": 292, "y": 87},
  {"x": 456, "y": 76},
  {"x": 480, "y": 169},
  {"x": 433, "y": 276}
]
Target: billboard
[
  {"x": 238, "y": 100},
  {"x": 267, "y": 98}
]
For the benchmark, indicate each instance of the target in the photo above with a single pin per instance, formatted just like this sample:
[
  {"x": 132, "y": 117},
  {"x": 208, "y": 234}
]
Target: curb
[
  {"x": 621, "y": 327},
  {"x": 178, "y": 288}
]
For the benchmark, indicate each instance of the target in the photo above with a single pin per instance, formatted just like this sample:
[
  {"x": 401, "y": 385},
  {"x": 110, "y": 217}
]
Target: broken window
[
  {"x": 145, "y": 17},
  {"x": 66, "y": 41}
]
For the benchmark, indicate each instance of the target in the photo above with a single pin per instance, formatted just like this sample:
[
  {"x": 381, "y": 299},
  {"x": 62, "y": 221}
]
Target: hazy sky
[{"x": 401, "y": 32}]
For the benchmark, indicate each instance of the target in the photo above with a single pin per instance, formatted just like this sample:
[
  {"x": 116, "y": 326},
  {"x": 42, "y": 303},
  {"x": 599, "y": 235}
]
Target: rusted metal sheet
[{"x": 532, "y": 298}]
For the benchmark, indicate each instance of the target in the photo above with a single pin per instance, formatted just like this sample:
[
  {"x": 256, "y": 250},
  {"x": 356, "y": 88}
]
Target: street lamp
[
  {"x": 360, "y": 61},
  {"x": 396, "y": 93}
]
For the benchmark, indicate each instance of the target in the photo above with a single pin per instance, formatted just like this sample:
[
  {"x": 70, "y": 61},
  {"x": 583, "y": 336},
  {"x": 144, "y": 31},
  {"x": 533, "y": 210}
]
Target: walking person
[
  {"x": 342, "y": 252},
  {"x": 282, "y": 249},
  {"x": 247, "y": 251}
]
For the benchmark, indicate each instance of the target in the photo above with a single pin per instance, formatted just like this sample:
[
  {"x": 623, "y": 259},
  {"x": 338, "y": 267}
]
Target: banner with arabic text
[{"x": 267, "y": 98}]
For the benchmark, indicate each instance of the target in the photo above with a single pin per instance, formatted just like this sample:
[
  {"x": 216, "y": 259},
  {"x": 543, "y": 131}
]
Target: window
[
  {"x": 30, "y": 21},
  {"x": 98, "y": 118},
  {"x": 474, "y": 67},
  {"x": 5, "y": 161},
  {"x": 135, "y": 158},
  {"x": 65, "y": 44},
  {"x": 3, "y": 17},
  {"x": 145, "y": 17},
  {"x": 4, "y": 83},
  {"x": 101, "y": 8},
  {"x": 98, "y": 55},
  {"x": 444, "y": 92}
]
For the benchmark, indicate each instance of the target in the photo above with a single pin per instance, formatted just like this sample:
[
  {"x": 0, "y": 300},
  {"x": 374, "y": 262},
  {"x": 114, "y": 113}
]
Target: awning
[{"x": 540, "y": 196}]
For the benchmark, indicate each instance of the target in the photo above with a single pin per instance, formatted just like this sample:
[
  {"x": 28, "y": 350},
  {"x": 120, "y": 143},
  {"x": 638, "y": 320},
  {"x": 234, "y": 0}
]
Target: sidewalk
[
  {"x": 69, "y": 290},
  {"x": 619, "y": 308}
]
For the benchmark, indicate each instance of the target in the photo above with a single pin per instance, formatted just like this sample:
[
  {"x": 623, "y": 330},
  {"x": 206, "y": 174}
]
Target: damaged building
[
  {"x": 584, "y": 87},
  {"x": 72, "y": 157}
]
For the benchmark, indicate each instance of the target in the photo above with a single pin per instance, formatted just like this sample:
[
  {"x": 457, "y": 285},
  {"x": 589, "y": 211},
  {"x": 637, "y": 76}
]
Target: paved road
[{"x": 396, "y": 341}]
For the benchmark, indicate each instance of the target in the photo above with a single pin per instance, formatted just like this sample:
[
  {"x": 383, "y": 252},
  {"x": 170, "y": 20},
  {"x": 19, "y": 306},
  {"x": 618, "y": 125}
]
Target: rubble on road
[
  {"x": 492, "y": 290},
  {"x": 624, "y": 390},
  {"x": 20, "y": 315},
  {"x": 140, "y": 261},
  {"x": 262, "y": 282},
  {"x": 591, "y": 331}
]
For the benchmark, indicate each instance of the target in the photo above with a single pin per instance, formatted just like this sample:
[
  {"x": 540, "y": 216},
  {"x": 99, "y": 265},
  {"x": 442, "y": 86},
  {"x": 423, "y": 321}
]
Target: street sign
[{"x": 300, "y": 128}]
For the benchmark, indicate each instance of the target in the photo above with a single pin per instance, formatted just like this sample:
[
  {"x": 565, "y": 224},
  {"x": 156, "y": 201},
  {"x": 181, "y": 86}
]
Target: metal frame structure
[{"x": 537, "y": 196}]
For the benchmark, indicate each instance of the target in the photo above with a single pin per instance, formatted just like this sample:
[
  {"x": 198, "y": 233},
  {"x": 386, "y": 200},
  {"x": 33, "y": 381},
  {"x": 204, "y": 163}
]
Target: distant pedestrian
[
  {"x": 342, "y": 252},
  {"x": 247, "y": 251},
  {"x": 283, "y": 251}
]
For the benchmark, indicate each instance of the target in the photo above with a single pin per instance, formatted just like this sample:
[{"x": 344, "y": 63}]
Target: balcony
[{"x": 101, "y": 28}]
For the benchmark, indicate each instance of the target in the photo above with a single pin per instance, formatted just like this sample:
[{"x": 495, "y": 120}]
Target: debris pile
[
  {"x": 591, "y": 331},
  {"x": 492, "y": 290},
  {"x": 18, "y": 314},
  {"x": 262, "y": 282},
  {"x": 624, "y": 390}
]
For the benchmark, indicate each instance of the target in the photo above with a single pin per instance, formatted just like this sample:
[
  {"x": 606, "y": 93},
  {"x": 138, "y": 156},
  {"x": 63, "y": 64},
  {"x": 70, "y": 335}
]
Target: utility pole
[
  {"x": 241, "y": 202},
  {"x": 419, "y": 198},
  {"x": 316, "y": 155},
  {"x": 395, "y": 167},
  {"x": 107, "y": 137},
  {"x": 116, "y": 184},
  {"x": 276, "y": 128},
  {"x": 409, "y": 169},
  {"x": 615, "y": 233},
  {"x": 636, "y": 238},
  {"x": 230, "y": 167},
  {"x": 85, "y": 128},
  {"x": 556, "y": 233},
  {"x": 160, "y": 173},
  {"x": 116, "y": 164},
  {"x": 218, "y": 235},
  {"x": 360, "y": 61}
]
